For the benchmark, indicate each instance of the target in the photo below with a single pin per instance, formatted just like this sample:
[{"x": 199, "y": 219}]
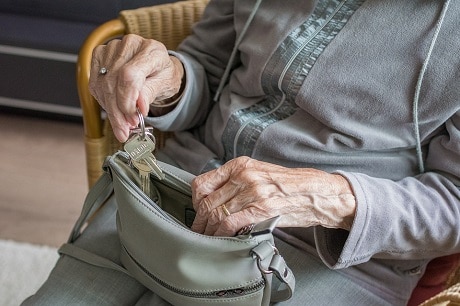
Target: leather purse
[{"x": 161, "y": 252}]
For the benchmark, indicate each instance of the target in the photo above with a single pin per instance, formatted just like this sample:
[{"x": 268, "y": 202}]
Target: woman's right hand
[{"x": 139, "y": 71}]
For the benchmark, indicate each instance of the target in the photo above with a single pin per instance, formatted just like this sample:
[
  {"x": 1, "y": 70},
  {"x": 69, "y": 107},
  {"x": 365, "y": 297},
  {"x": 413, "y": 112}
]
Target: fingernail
[{"x": 121, "y": 135}]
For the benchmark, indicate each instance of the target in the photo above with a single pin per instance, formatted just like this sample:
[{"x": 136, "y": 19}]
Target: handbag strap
[
  {"x": 96, "y": 197},
  {"x": 79, "y": 253},
  {"x": 278, "y": 267}
]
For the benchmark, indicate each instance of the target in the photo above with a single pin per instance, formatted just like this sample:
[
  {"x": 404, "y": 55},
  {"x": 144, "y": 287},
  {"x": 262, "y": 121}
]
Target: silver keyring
[{"x": 141, "y": 123}]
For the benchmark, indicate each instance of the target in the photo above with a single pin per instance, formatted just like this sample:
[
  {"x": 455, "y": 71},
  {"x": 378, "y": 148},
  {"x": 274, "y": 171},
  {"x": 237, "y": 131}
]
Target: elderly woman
[{"x": 342, "y": 117}]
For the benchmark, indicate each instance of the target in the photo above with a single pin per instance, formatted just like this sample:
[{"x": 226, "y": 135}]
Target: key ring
[{"x": 141, "y": 123}]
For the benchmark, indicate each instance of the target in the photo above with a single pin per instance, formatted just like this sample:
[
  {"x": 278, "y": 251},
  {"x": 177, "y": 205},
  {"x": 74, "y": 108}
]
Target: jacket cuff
[{"x": 337, "y": 247}]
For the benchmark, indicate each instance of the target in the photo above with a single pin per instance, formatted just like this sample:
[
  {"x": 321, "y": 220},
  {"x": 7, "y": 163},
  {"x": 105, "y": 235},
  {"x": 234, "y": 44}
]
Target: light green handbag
[{"x": 181, "y": 266}]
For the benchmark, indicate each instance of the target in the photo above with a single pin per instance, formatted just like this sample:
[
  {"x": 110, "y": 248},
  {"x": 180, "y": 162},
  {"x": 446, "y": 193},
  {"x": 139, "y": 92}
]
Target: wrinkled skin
[
  {"x": 254, "y": 191},
  {"x": 141, "y": 72}
]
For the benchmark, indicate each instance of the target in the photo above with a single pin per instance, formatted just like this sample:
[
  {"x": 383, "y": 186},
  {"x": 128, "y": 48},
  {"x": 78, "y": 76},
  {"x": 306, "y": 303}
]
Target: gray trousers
[{"x": 73, "y": 282}]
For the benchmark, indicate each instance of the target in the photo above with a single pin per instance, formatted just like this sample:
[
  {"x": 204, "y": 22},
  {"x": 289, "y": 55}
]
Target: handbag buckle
[{"x": 262, "y": 251}]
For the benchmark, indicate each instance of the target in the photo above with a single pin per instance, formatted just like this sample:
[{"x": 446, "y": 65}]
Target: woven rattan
[{"x": 450, "y": 296}]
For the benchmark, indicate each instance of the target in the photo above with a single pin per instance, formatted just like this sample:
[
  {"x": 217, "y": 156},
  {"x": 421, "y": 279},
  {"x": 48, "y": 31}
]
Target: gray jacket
[{"x": 369, "y": 89}]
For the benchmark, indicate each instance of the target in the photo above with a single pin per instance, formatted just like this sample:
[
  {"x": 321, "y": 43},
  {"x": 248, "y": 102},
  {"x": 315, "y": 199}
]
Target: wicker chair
[
  {"x": 448, "y": 297},
  {"x": 168, "y": 23}
]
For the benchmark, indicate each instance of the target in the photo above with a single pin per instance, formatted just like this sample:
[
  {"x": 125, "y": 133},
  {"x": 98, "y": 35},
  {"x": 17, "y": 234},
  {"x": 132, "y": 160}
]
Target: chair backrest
[{"x": 169, "y": 23}]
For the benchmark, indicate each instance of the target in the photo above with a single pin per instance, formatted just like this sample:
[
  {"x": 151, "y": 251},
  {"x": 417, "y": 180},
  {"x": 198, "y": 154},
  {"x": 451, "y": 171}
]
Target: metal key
[
  {"x": 139, "y": 147},
  {"x": 151, "y": 161},
  {"x": 140, "y": 150},
  {"x": 144, "y": 174}
]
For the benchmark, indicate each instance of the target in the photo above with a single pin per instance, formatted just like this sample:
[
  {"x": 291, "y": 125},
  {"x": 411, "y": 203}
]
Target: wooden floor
[{"x": 42, "y": 178}]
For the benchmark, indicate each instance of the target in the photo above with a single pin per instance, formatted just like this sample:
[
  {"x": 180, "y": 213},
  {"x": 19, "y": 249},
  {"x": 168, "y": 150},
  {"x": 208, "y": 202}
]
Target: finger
[
  {"x": 212, "y": 180},
  {"x": 214, "y": 220},
  {"x": 209, "y": 211},
  {"x": 103, "y": 56},
  {"x": 201, "y": 220},
  {"x": 143, "y": 103},
  {"x": 120, "y": 122},
  {"x": 224, "y": 222},
  {"x": 106, "y": 88},
  {"x": 206, "y": 195},
  {"x": 231, "y": 225},
  {"x": 227, "y": 194},
  {"x": 120, "y": 126},
  {"x": 204, "y": 184},
  {"x": 97, "y": 61},
  {"x": 135, "y": 90},
  {"x": 129, "y": 85},
  {"x": 147, "y": 94},
  {"x": 147, "y": 61},
  {"x": 94, "y": 76},
  {"x": 103, "y": 87}
]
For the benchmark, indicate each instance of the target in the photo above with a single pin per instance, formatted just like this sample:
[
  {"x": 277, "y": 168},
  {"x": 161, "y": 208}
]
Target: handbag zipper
[{"x": 225, "y": 293}]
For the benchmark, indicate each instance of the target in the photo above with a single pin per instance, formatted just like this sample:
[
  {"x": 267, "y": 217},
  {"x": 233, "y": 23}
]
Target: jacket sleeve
[
  {"x": 204, "y": 54},
  {"x": 414, "y": 218}
]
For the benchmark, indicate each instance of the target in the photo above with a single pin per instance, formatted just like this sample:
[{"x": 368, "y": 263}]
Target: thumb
[{"x": 143, "y": 103}]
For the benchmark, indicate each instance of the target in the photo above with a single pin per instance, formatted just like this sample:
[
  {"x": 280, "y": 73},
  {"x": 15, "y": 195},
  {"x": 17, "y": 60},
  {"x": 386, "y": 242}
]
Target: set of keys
[{"x": 140, "y": 147}]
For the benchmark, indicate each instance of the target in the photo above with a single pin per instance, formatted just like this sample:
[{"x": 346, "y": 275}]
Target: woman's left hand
[{"x": 252, "y": 191}]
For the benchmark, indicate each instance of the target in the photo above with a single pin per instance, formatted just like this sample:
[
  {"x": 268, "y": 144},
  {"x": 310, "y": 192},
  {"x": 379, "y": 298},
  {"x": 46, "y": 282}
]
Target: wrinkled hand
[
  {"x": 140, "y": 71},
  {"x": 254, "y": 191}
]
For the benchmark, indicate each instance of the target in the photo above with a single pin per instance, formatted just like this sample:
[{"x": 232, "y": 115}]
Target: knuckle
[
  {"x": 154, "y": 45},
  {"x": 245, "y": 175},
  {"x": 150, "y": 94},
  {"x": 240, "y": 164},
  {"x": 199, "y": 224},
  {"x": 131, "y": 39},
  {"x": 242, "y": 160},
  {"x": 204, "y": 208},
  {"x": 196, "y": 182},
  {"x": 215, "y": 217},
  {"x": 98, "y": 50},
  {"x": 127, "y": 74},
  {"x": 259, "y": 191}
]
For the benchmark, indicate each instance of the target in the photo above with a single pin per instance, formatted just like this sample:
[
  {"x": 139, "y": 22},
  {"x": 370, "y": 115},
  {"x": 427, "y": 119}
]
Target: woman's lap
[
  {"x": 318, "y": 285},
  {"x": 73, "y": 282}
]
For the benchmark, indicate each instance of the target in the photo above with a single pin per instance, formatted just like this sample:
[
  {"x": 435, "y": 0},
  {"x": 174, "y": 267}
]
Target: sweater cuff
[
  {"x": 337, "y": 247},
  {"x": 186, "y": 112}
]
